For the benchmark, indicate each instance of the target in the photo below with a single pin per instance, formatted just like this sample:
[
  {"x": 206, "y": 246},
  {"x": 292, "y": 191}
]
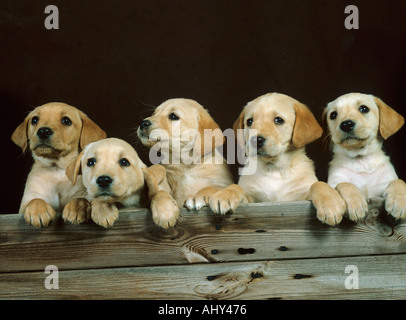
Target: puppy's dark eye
[
  {"x": 363, "y": 109},
  {"x": 279, "y": 120},
  {"x": 124, "y": 162},
  {"x": 173, "y": 116},
  {"x": 66, "y": 121},
  {"x": 34, "y": 120},
  {"x": 333, "y": 115},
  {"x": 249, "y": 122},
  {"x": 91, "y": 162}
]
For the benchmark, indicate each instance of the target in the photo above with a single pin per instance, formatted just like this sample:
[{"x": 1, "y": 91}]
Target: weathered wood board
[
  {"x": 380, "y": 277},
  {"x": 253, "y": 253}
]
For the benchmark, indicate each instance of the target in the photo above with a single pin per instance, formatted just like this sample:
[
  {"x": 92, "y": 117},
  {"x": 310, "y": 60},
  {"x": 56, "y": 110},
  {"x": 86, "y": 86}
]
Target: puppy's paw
[
  {"x": 328, "y": 203},
  {"x": 195, "y": 202},
  {"x": 77, "y": 211},
  {"x": 104, "y": 214},
  {"x": 357, "y": 205},
  {"x": 395, "y": 195},
  {"x": 200, "y": 199},
  {"x": 165, "y": 210},
  {"x": 39, "y": 213},
  {"x": 330, "y": 211},
  {"x": 357, "y": 208},
  {"x": 227, "y": 199}
]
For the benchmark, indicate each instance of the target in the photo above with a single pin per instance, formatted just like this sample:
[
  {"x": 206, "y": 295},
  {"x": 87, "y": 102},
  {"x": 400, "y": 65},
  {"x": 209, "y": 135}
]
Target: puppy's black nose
[
  {"x": 44, "y": 132},
  {"x": 145, "y": 124},
  {"x": 258, "y": 141},
  {"x": 347, "y": 125},
  {"x": 104, "y": 181}
]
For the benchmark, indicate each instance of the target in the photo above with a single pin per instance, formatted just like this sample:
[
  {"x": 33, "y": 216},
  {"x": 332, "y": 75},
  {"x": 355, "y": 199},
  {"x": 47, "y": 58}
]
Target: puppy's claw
[
  {"x": 195, "y": 203},
  {"x": 190, "y": 203},
  {"x": 199, "y": 203}
]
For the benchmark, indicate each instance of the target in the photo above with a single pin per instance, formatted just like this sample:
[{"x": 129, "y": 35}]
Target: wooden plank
[
  {"x": 379, "y": 277},
  {"x": 255, "y": 232}
]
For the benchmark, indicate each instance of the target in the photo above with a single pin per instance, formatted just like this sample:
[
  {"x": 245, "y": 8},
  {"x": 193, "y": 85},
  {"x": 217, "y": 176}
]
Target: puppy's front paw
[
  {"x": 77, "y": 211},
  {"x": 227, "y": 199},
  {"x": 165, "y": 210},
  {"x": 195, "y": 202},
  {"x": 200, "y": 199},
  {"x": 39, "y": 213},
  {"x": 357, "y": 205},
  {"x": 330, "y": 211},
  {"x": 328, "y": 203},
  {"x": 104, "y": 214},
  {"x": 395, "y": 195}
]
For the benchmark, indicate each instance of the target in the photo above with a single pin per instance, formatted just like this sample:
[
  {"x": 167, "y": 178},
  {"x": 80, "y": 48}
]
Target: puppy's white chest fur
[
  {"x": 371, "y": 173},
  {"x": 271, "y": 185},
  {"x": 290, "y": 182}
]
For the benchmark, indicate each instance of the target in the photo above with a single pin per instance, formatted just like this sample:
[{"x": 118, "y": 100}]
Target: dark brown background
[{"x": 116, "y": 60}]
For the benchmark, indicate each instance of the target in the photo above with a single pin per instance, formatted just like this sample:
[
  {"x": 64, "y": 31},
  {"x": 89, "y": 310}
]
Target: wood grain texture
[
  {"x": 255, "y": 232},
  {"x": 380, "y": 277}
]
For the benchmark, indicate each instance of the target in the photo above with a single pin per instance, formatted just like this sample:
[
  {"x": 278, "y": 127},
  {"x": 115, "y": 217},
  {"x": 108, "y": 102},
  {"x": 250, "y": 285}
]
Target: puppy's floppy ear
[
  {"x": 73, "y": 169},
  {"x": 20, "y": 136},
  {"x": 238, "y": 128},
  {"x": 91, "y": 132},
  {"x": 205, "y": 143},
  {"x": 306, "y": 128},
  {"x": 389, "y": 120}
]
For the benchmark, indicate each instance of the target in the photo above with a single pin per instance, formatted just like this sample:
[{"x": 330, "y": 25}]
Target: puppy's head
[
  {"x": 111, "y": 170},
  {"x": 354, "y": 120},
  {"x": 273, "y": 124},
  {"x": 178, "y": 123},
  {"x": 55, "y": 130}
]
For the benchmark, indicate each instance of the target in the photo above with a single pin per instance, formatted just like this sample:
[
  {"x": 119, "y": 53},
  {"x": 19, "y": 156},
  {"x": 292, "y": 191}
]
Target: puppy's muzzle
[
  {"x": 104, "y": 182},
  {"x": 347, "y": 126},
  {"x": 257, "y": 142},
  {"x": 44, "y": 133},
  {"x": 145, "y": 124},
  {"x": 144, "y": 127}
]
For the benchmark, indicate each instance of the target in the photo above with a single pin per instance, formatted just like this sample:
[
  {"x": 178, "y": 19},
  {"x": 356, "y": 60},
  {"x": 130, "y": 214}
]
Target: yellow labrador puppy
[
  {"x": 55, "y": 133},
  {"x": 113, "y": 174},
  {"x": 357, "y": 124},
  {"x": 184, "y": 137},
  {"x": 273, "y": 130}
]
